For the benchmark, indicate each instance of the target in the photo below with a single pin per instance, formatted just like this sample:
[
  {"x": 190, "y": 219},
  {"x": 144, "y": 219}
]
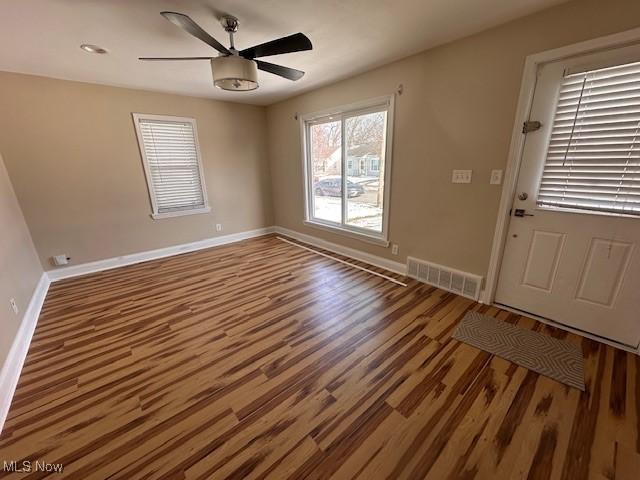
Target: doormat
[{"x": 553, "y": 358}]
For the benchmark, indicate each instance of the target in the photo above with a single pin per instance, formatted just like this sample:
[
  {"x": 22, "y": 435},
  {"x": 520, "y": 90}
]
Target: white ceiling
[{"x": 42, "y": 37}]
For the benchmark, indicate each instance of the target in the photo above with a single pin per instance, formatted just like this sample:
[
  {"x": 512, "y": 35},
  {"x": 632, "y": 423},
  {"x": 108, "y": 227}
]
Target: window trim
[
  {"x": 343, "y": 112},
  {"x": 155, "y": 214}
]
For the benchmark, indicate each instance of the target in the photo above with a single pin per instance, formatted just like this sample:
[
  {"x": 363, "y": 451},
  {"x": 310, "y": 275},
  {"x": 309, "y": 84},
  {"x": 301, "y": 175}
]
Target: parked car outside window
[{"x": 332, "y": 187}]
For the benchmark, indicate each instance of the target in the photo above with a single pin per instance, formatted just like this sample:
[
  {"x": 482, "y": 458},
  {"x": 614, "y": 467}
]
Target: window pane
[
  {"x": 326, "y": 166},
  {"x": 365, "y": 144},
  {"x": 173, "y": 166}
]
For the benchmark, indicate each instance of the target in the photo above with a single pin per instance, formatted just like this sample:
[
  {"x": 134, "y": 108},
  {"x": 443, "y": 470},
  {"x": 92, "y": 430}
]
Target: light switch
[
  {"x": 60, "y": 259},
  {"x": 461, "y": 176},
  {"x": 496, "y": 177}
]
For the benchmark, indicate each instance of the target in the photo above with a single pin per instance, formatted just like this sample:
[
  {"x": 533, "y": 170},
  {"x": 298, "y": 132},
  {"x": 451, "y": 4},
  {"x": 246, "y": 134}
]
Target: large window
[
  {"x": 171, "y": 158},
  {"x": 347, "y": 160},
  {"x": 593, "y": 159}
]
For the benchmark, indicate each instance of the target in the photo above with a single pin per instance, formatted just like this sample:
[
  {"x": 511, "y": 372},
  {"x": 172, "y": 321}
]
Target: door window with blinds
[
  {"x": 593, "y": 158},
  {"x": 172, "y": 164}
]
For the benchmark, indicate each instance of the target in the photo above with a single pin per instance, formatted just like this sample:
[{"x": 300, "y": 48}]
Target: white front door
[{"x": 572, "y": 250}]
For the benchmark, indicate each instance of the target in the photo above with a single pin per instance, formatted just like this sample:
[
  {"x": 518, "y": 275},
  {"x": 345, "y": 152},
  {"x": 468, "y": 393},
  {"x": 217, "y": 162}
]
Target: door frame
[{"x": 516, "y": 147}]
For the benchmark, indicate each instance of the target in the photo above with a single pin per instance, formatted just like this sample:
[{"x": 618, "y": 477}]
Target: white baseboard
[
  {"x": 374, "y": 260},
  {"x": 10, "y": 372},
  {"x": 115, "y": 262}
]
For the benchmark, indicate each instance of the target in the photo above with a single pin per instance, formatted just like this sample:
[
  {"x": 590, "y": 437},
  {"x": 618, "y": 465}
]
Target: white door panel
[
  {"x": 580, "y": 268},
  {"x": 542, "y": 259},
  {"x": 603, "y": 271}
]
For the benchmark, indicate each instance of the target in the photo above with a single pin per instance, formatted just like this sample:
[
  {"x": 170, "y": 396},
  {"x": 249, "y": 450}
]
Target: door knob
[{"x": 523, "y": 196}]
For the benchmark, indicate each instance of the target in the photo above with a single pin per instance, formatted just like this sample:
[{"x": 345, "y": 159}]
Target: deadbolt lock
[{"x": 521, "y": 212}]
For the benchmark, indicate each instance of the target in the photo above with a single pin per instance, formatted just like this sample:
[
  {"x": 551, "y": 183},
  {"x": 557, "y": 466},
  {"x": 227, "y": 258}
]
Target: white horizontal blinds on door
[
  {"x": 173, "y": 166},
  {"x": 593, "y": 160}
]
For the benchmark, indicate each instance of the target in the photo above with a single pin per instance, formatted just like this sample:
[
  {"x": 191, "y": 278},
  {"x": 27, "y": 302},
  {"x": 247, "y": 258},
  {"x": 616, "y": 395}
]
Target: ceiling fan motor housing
[{"x": 234, "y": 73}]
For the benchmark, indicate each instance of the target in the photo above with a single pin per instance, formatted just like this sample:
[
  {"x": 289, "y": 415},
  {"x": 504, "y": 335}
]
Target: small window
[
  {"x": 172, "y": 165},
  {"x": 593, "y": 158},
  {"x": 350, "y": 194}
]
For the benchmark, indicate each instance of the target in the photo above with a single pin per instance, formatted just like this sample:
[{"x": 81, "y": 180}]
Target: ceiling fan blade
[
  {"x": 155, "y": 59},
  {"x": 297, "y": 42},
  {"x": 187, "y": 24},
  {"x": 286, "y": 72}
]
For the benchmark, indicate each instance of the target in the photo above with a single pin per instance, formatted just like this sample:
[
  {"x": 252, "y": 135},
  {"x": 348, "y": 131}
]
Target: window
[
  {"x": 172, "y": 165},
  {"x": 593, "y": 159},
  {"x": 351, "y": 194}
]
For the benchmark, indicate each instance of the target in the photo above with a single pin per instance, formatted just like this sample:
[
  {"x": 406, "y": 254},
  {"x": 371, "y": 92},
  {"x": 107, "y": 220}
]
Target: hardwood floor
[{"x": 263, "y": 360}]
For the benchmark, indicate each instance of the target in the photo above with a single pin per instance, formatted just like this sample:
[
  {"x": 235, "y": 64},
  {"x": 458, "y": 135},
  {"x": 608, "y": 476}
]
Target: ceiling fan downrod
[{"x": 230, "y": 25}]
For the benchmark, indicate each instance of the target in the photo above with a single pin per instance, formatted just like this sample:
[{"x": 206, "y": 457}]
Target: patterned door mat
[{"x": 557, "y": 359}]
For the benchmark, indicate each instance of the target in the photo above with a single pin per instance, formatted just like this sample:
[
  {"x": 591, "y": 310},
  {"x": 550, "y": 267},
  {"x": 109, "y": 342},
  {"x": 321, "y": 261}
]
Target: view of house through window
[
  {"x": 364, "y": 142},
  {"x": 326, "y": 154},
  {"x": 348, "y": 188}
]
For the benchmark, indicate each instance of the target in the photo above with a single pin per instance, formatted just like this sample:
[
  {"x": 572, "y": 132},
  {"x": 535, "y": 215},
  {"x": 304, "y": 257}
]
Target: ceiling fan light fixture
[{"x": 234, "y": 73}]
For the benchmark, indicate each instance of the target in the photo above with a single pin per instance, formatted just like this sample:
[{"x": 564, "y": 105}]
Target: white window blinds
[
  {"x": 593, "y": 160},
  {"x": 172, "y": 164}
]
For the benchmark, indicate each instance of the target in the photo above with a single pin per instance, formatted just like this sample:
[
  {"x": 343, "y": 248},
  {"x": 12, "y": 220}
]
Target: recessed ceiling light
[{"x": 92, "y": 48}]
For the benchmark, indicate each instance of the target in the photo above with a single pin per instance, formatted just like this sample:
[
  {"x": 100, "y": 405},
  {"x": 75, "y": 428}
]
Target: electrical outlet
[
  {"x": 496, "y": 177},
  {"x": 218, "y": 227},
  {"x": 461, "y": 176},
  {"x": 394, "y": 249},
  {"x": 14, "y": 306}
]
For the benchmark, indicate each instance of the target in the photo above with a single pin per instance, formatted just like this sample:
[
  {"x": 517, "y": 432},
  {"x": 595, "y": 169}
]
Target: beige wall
[
  {"x": 72, "y": 154},
  {"x": 20, "y": 269},
  {"x": 457, "y": 111},
  {"x": 71, "y": 150}
]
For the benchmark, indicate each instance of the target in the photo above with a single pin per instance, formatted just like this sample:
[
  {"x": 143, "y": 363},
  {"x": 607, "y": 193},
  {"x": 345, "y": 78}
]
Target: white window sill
[
  {"x": 375, "y": 240},
  {"x": 180, "y": 213}
]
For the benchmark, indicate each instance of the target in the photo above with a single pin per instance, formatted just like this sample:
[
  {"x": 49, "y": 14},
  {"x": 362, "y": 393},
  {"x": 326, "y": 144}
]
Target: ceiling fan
[{"x": 237, "y": 70}]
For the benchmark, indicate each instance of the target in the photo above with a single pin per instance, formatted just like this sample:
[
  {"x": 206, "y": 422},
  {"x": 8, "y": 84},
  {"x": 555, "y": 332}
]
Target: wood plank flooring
[{"x": 262, "y": 360}]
